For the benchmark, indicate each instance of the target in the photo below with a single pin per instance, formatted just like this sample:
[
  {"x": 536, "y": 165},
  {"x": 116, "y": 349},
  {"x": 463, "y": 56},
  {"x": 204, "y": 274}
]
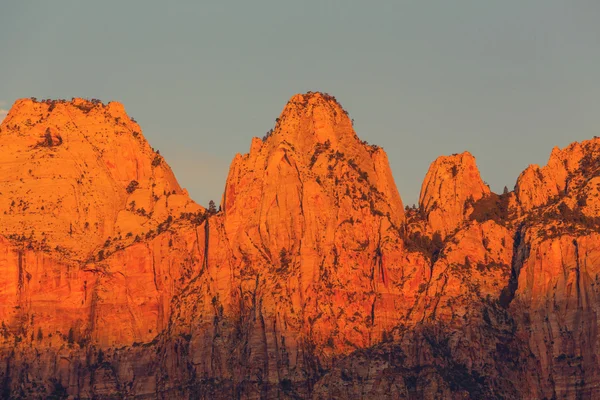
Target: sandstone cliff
[
  {"x": 312, "y": 282},
  {"x": 449, "y": 185}
]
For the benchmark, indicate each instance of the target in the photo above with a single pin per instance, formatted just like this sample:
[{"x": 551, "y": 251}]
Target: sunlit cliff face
[{"x": 312, "y": 281}]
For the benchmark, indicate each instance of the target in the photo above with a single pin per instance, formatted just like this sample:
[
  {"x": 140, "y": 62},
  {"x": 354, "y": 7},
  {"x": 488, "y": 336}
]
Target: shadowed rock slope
[{"x": 313, "y": 281}]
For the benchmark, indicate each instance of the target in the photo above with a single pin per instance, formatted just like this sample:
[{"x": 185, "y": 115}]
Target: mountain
[{"x": 311, "y": 281}]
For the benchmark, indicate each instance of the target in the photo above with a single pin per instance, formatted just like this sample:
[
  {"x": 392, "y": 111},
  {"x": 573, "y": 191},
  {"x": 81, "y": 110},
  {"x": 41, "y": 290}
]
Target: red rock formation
[
  {"x": 309, "y": 262},
  {"x": 76, "y": 173},
  {"x": 537, "y": 186},
  {"x": 311, "y": 283},
  {"x": 450, "y": 182},
  {"x": 83, "y": 200},
  {"x": 557, "y": 307}
]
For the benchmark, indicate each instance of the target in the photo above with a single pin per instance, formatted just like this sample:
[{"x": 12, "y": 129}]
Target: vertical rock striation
[{"x": 312, "y": 281}]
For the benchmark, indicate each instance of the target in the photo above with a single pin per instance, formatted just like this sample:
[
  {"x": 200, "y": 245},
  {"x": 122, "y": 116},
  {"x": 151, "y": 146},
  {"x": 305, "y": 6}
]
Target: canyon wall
[{"x": 312, "y": 281}]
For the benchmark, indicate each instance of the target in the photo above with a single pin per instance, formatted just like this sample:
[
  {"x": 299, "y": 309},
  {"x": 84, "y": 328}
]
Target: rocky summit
[{"x": 312, "y": 280}]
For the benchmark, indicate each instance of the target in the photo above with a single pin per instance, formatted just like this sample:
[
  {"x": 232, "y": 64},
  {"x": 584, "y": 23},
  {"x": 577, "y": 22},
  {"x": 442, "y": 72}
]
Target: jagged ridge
[{"x": 312, "y": 281}]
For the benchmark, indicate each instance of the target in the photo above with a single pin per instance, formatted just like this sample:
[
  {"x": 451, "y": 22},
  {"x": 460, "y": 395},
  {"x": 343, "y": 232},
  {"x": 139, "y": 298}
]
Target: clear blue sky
[{"x": 506, "y": 80}]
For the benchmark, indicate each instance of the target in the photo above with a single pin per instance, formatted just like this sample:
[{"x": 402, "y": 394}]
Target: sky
[{"x": 505, "y": 80}]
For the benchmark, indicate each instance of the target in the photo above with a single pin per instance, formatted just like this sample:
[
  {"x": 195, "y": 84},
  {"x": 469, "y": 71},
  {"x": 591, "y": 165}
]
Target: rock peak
[
  {"x": 311, "y": 118},
  {"x": 450, "y": 181},
  {"x": 316, "y": 98},
  {"x": 105, "y": 179},
  {"x": 313, "y": 160},
  {"x": 310, "y": 102},
  {"x": 33, "y": 111},
  {"x": 537, "y": 185}
]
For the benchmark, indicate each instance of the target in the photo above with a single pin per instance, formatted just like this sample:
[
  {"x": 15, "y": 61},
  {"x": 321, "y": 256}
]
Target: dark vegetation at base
[{"x": 58, "y": 392}]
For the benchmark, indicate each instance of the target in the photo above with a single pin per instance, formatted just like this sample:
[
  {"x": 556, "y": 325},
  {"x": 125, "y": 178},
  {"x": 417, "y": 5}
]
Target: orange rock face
[
  {"x": 449, "y": 183},
  {"x": 305, "y": 263},
  {"x": 76, "y": 173},
  {"x": 537, "y": 186},
  {"x": 312, "y": 282},
  {"x": 88, "y": 253}
]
